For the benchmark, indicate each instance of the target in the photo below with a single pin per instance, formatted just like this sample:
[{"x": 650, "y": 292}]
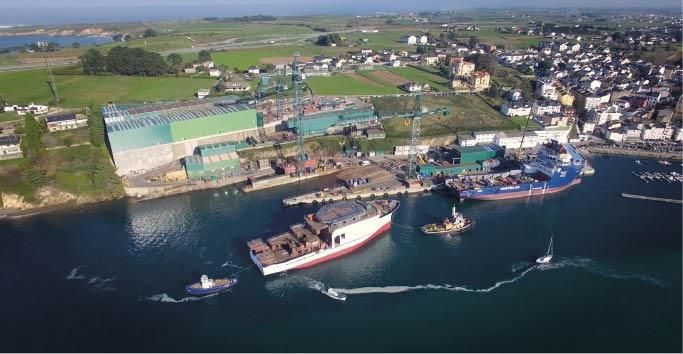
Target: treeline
[
  {"x": 124, "y": 61},
  {"x": 240, "y": 19},
  {"x": 328, "y": 39}
]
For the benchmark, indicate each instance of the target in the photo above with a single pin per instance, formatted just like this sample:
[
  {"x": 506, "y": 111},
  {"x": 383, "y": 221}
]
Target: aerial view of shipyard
[{"x": 355, "y": 176}]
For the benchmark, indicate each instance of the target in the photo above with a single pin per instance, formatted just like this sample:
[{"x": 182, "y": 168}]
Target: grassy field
[
  {"x": 509, "y": 40},
  {"x": 346, "y": 85},
  {"x": 185, "y": 34},
  {"x": 244, "y": 58},
  {"x": 380, "y": 40},
  {"x": 9, "y": 116},
  {"x": 78, "y": 90},
  {"x": 367, "y": 83},
  {"x": 520, "y": 122},
  {"x": 466, "y": 114},
  {"x": 438, "y": 83}
]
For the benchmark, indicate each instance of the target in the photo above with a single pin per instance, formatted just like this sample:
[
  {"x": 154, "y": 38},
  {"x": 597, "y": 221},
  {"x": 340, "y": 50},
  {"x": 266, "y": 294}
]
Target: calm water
[
  {"x": 111, "y": 278},
  {"x": 64, "y": 41}
]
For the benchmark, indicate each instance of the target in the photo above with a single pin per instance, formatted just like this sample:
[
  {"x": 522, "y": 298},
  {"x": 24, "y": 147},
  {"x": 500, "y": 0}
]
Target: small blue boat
[{"x": 207, "y": 285}]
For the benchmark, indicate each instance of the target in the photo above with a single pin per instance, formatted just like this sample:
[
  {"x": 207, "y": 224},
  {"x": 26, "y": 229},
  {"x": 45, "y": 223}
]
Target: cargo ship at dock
[
  {"x": 555, "y": 168},
  {"x": 333, "y": 231}
]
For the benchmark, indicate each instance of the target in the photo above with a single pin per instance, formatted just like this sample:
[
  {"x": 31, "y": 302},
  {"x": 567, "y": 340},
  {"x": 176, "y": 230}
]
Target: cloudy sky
[{"x": 15, "y": 12}]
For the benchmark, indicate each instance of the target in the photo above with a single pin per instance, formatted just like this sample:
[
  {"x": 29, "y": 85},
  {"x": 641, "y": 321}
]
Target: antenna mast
[{"x": 53, "y": 85}]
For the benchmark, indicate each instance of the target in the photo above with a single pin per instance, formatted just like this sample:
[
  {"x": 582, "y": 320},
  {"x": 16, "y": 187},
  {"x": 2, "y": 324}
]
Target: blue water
[
  {"x": 111, "y": 277},
  {"x": 63, "y": 41}
]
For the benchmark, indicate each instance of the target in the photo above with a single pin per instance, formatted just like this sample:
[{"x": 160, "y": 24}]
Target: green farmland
[
  {"x": 79, "y": 90},
  {"x": 465, "y": 114},
  {"x": 345, "y": 84}
]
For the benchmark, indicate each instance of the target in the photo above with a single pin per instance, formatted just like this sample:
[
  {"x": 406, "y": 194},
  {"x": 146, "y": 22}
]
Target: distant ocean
[{"x": 64, "y": 41}]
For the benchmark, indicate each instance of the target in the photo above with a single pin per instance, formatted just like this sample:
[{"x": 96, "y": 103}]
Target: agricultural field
[
  {"x": 509, "y": 40},
  {"x": 438, "y": 83},
  {"x": 9, "y": 116},
  {"x": 348, "y": 84},
  {"x": 374, "y": 82},
  {"x": 78, "y": 90},
  {"x": 196, "y": 34},
  {"x": 244, "y": 58},
  {"x": 465, "y": 114},
  {"x": 381, "y": 40}
]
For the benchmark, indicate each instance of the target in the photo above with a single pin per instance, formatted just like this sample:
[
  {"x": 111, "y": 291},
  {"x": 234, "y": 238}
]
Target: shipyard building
[
  {"x": 143, "y": 137},
  {"x": 456, "y": 160},
  {"x": 334, "y": 122}
]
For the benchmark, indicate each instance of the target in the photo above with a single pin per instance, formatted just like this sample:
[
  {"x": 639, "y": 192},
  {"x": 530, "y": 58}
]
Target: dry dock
[{"x": 644, "y": 197}]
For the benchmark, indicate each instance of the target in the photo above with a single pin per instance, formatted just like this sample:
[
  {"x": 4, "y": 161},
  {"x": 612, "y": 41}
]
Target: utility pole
[
  {"x": 297, "y": 81},
  {"x": 53, "y": 85},
  {"x": 414, "y": 138}
]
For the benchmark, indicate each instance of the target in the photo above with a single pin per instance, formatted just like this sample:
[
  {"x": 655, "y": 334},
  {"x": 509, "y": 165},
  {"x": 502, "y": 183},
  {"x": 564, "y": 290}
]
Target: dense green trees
[
  {"x": 328, "y": 39},
  {"x": 485, "y": 62},
  {"x": 204, "y": 55},
  {"x": 124, "y": 61},
  {"x": 473, "y": 42},
  {"x": 93, "y": 62},
  {"x": 135, "y": 61},
  {"x": 149, "y": 33},
  {"x": 31, "y": 144}
]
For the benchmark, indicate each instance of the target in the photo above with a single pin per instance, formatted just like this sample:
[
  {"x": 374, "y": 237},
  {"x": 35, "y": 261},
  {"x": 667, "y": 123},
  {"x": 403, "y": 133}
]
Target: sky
[{"x": 46, "y": 12}]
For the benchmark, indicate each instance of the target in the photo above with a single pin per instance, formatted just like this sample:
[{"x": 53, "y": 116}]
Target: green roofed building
[
  {"x": 147, "y": 136},
  {"x": 213, "y": 162},
  {"x": 335, "y": 121},
  {"x": 477, "y": 153},
  {"x": 460, "y": 160}
]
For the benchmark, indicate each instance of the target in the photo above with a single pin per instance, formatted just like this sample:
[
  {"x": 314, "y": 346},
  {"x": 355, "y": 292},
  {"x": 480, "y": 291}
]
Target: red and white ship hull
[{"x": 351, "y": 237}]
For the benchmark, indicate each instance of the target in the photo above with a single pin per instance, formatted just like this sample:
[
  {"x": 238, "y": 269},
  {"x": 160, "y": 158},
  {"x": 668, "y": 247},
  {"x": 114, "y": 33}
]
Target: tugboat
[
  {"x": 207, "y": 285},
  {"x": 457, "y": 223}
]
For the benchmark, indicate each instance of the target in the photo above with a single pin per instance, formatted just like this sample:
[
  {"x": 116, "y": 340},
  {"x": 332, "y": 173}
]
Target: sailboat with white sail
[{"x": 549, "y": 254}]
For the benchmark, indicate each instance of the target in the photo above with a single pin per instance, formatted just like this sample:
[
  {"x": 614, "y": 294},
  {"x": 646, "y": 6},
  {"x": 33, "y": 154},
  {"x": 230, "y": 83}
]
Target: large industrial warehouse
[{"x": 143, "y": 137}]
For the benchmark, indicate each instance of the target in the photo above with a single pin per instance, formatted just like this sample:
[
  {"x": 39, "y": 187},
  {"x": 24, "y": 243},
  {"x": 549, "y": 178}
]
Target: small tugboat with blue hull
[{"x": 208, "y": 286}]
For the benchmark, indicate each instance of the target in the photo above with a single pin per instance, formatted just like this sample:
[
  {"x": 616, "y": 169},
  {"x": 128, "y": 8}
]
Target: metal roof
[
  {"x": 152, "y": 118},
  {"x": 9, "y": 140},
  {"x": 61, "y": 117}
]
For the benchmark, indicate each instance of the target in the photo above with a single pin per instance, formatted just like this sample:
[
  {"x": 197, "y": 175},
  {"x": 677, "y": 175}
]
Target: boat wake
[
  {"x": 582, "y": 263},
  {"x": 595, "y": 268},
  {"x": 97, "y": 282},
  {"x": 101, "y": 283},
  {"x": 165, "y": 298},
  {"x": 73, "y": 274},
  {"x": 230, "y": 264},
  {"x": 445, "y": 287}
]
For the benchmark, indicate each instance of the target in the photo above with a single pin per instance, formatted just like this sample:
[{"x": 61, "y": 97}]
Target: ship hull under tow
[{"x": 355, "y": 236}]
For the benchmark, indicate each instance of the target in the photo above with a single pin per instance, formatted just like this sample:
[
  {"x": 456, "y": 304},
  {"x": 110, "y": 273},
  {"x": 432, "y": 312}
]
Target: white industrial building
[
  {"x": 515, "y": 140},
  {"x": 484, "y": 137}
]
